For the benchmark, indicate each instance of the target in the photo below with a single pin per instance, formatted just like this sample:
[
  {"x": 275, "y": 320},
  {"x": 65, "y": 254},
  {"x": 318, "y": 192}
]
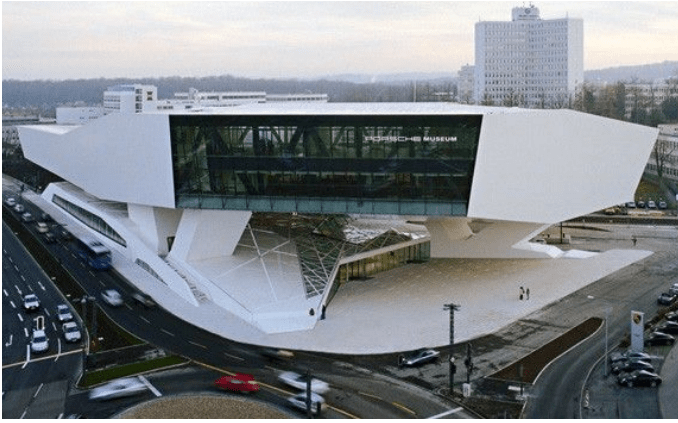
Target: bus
[{"x": 94, "y": 253}]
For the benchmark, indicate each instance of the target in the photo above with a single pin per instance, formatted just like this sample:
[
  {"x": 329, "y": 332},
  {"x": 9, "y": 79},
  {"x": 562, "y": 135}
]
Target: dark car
[
  {"x": 672, "y": 316},
  {"x": 639, "y": 378},
  {"x": 640, "y": 204},
  {"x": 632, "y": 365},
  {"x": 617, "y": 357},
  {"x": 419, "y": 357},
  {"x": 666, "y": 299},
  {"x": 669, "y": 327},
  {"x": 659, "y": 338}
]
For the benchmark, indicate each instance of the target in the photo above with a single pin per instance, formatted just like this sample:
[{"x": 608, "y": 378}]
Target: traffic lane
[{"x": 39, "y": 389}]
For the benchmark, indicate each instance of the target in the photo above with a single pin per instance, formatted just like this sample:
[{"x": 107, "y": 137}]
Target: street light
[
  {"x": 453, "y": 368},
  {"x": 607, "y": 317}
]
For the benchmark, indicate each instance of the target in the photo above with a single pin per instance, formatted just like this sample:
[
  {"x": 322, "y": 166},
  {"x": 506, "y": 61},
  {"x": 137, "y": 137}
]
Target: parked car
[
  {"x": 112, "y": 297},
  {"x": 45, "y": 217},
  {"x": 299, "y": 381},
  {"x": 117, "y": 389},
  {"x": 671, "y": 316},
  {"x": 616, "y": 357},
  {"x": 419, "y": 357},
  {"x": 39, "y": 341},
  {"x": 27, "y": 217},
  {"x": 639, "y": 378},
  {"x": 10, "y": 201},
  {"x": 31, "y": 303},
  {"x": 641, "y": 204},
  {"x": 19, "y": 208},
  {"x": 71, "y": 332},
  {"x": 666, "y": 299},
  {"x": 240, "y": 382},
  {"x": 42, "y": 227},
  {"x": 662, "y": 205},
  {"x": 299, "y": 401},
  {"x": 673, "y": 290},
  {"x": 631, "y": 205},
  {"x": 651, "y": 205},
  {"x": 631, "y": 365},
  {"x": 143, "y": 299},
  {"x": 659, "y": 338},
  {"x": 64, "y": 313},
  {"x": 668, "y": 327}
]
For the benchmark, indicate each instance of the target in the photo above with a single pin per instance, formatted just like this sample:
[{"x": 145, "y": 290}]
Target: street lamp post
[{"x": 453, "y": 368}]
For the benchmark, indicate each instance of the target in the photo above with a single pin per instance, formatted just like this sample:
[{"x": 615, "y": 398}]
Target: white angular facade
[{"x": 529, "y": 169}]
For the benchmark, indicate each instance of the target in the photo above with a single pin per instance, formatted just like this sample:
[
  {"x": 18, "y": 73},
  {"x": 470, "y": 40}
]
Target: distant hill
[{"x": 638, "y": 73}]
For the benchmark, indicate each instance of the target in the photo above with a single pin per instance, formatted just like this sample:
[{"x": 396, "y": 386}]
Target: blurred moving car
[
  {"x": 419, "y": 357},
  {"x": 659, "y": 338},
  {"x": 49, "y": 237},
  {"x": 71, "y": 332},
  {"x": 31, "y": 303},
  {"x": 39, "y": 341},
  {"x": 241, "y": 382},
  {"x": 64, "y": 313},
  {"x": 666, "y": 298},
  {"x": 112, "y": 297},
  {"x": 299, "y": 381},
  {"x": 117, "y": 389},
  {"x": 639, "y": 378},
  {"x": 299, "y": 401},
  {"x": 143, "y": 299}
]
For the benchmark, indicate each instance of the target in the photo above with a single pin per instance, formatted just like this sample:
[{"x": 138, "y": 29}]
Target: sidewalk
[{"x": 668, "y": 406}]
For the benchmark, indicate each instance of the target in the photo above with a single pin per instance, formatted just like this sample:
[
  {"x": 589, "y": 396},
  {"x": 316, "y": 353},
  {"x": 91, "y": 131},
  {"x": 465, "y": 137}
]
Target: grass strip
[{"x": 100, "y": 376}]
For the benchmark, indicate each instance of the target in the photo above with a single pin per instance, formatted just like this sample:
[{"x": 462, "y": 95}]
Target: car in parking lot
[
  {"x": 31, "y": 303},
  {"x": 39, "y": 341},
  {"x": 299, "y": 401},
  {"x": 299, "y": 381},
  {"x": 112, "y": 297},
  {"x": 639, "y": 378},
  {"x": 668, "y": 327},
  {"x": 659, "y": 338},
  {"x": 10, "y": 201},
  {"x": 630, "y": 205},
  {"x": 419, "y": 357},
  {"x": 19, "y": 208},
  {"x": 27, "y": 217},
  {"x": 631, "y": 365},
  {"x": 42, "y": 227},
  {"x": 666, "y": 299},
  {"x": 71, "y": 332},
  {"x": 119, "y": 388},
  {"x": 673, "y": 290},
  {"x": 143, "y": 299},
  {"x": 616, "y": 357},
  {"x": 49, "y": 237},
  {"x": 64, "y": 313},
  {"x": 240, "y": 382},
  {"x": 662, "y": 205},
  {"x": 651, "y": 205},
  {"x": 640, "y": 204},
  {"x": 671, "y": 316}
]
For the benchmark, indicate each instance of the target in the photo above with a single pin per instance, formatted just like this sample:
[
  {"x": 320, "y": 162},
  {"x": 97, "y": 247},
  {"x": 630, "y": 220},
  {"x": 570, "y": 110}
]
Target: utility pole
[{"x": 453, "y": 368}]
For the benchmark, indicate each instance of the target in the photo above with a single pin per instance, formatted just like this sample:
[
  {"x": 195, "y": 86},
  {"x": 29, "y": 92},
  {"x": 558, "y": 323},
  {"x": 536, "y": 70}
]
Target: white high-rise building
[{"x": 529, "y": 61}]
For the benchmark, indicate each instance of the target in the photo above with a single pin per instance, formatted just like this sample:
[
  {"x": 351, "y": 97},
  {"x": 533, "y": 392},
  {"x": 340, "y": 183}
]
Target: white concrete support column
[
  {"x": 204, "y": 234},
  {"x": 155, "y": 225},
  {"x": 452, "y": 238}
]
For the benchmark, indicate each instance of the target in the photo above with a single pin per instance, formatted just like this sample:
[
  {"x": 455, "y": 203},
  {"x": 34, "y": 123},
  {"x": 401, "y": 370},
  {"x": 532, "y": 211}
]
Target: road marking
[
  {"x": 5, "y": 291},
  {"x": 370, "y": 395},
  {"x": 101, "y": 282},
  {"x": 447, "y": 413},
  {"x": 58, "y": 349},
  {"x": 7, "y": 344},
  {"x": 22, "y": 278},
  {"x": 23, "y": 414},
  {"x": 151, "y": 387},
  {"x": 26, "y": 332},
  {"x": 128, "y": 306},
  {"x": 49, "y": 357},
  {"x": 144, "y": 319},
  {"x": 38, "y": 391},
  {"x": 20, "y": 317},
  {"x": 28, "y": 356},
  {"x": 16, "y": 268},
  {"x": 41, "y": 286},
  {"x": 12, "y": 303},
  {"x": 169, "y": 333},
  {"x": 18, "y": 290},
  {"x": 197, "y": 345},
  {"x": 47, "y": 312},
  {"x": 402, "y": 407},
  {"x": 54, "y": 326},
  {"x": 233, "y": 356}
]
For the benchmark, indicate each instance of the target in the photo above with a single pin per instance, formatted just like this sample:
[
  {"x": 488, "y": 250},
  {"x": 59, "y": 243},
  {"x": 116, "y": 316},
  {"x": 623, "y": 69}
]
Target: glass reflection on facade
[{"x": 415, "y": 164}]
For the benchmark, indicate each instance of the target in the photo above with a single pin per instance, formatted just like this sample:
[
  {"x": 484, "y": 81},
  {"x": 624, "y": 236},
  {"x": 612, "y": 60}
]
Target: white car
[
  {"x": 117, "y": 389},
  {"x": 42, "y": 227},
  {"x": 299, "y": 401},
  {"x": 64, "y": 313},
  {"x": 299, "y": 381},
  {"x": 10, "y": 201},
  {"x": 31, "y": 302},
  {"x": 112, "y": 297},
  {"x": 19, "y": 208},
  {"x": 39, "y": 341},
  {"x": 71, "y": 332}
]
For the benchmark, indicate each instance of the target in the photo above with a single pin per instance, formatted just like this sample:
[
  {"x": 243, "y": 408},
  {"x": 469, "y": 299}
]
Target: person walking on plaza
[
  {"x": 527, "y": 293},
  {"x": 522, "y": 292}
]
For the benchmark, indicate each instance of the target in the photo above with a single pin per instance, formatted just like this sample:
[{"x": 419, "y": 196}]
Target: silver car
[
  {"x": 64, "y": 313},
  {"x": 299, "y": 381},
  {"x": 112, "y": 297},
  {"x": 299, "y": 401},
  {"x": 39, "y": 341},
  {"x": 117, "y": 389},
  {"x": 71, "y": 332}
]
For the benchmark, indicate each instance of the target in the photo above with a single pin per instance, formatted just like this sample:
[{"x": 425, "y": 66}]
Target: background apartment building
[{"x": 528, "y": 62}]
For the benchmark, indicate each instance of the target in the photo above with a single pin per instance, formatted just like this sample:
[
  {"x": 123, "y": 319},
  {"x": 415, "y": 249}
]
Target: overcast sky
[{"x": 72, "y": 40}]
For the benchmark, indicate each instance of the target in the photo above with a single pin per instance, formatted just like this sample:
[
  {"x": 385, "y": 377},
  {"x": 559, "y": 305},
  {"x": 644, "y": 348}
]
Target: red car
[{"x": 240, "y": 383}]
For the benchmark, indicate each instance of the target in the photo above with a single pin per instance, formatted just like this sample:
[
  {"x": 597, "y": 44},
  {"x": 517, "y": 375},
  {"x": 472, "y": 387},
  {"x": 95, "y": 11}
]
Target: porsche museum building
[{"x": 265, "y": 210}]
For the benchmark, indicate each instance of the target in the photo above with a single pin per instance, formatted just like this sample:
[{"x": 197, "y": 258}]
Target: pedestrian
[
  {"x": 528, "y": 293},
  {"x": 522, "y": 292},
  {"x": 634, "y": 239}
]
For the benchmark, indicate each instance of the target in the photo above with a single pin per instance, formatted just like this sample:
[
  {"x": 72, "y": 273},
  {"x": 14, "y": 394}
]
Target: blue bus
[{"x": 94, "y": 253}]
